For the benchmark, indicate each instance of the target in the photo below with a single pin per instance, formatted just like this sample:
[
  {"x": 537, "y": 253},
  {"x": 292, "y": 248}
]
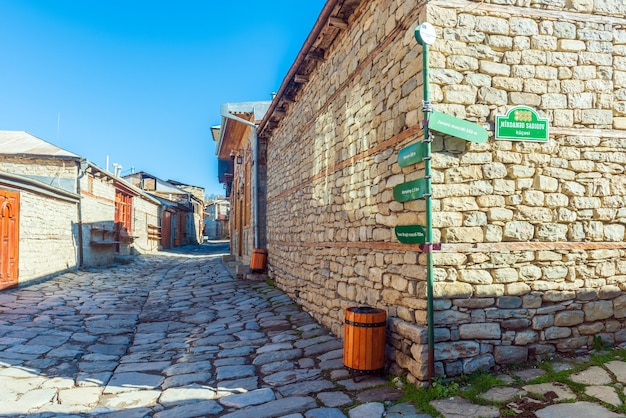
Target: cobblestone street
[
  {"x": 177, "y": 335},
  {"x": 168, "y": 336}
]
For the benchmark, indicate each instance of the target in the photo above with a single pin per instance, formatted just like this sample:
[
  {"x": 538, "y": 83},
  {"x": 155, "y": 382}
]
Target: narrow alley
[{"x": 172, "y": 335}]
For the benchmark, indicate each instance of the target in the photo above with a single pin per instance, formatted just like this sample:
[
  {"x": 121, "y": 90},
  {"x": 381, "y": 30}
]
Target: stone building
[
  {"x": 117, "y": 218},
  {"x": 532, "y": 258},
  {"x": 182, "y": 212},
  {"x": 216, "y": 219},
  {"x": 242, "y": 170},
  {"x": 59, "y": 212},
  {"x": 39, "y": 203}
]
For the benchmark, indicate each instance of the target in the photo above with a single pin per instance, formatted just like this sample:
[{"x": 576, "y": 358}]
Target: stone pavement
[{"x": 176, "y": 335}]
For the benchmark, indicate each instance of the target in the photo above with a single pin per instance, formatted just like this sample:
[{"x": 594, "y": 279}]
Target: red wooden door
[
  {"x": 166, "y": 230},
  {"x": 9, "y": 238}
]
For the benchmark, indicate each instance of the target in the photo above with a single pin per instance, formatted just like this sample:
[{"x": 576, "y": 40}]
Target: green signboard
[
  {"x": 410, "y": 155},
  {"x": 521, "y": 123},
  {"x": 411, "y": 234},
  {"x": 458, "y": 128},
  {"x": 410, "y": 190}
]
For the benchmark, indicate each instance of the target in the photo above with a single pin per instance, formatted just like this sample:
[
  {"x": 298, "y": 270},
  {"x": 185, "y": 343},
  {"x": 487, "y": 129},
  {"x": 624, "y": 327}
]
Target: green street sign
[
  {"x": 410, "y": 190},
  {"x": 521, "y": 123},
  {"x": 411, "y": 234},
  {"x": 410, "y": 155},
  {"x": 458, "y": 128}
]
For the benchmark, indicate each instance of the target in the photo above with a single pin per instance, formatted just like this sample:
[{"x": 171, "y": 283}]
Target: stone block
[
  {"x": 483, "y": 362},
  {"x": 455, "y": 350},
  {"x": 555, "y": 333},
  {"x": 509, "y": 302},
  {"x": 510, "y": 354},
  {"x": 475, "y": 277},
  {"x": 526, "y": 337},
  {"x": 483, "y": 331},
  {"x": 515, "y": 324},
  {"x": 518, "y": 231},
  {"x": 516, "y": 289},
  {"x": 542, "y": 321},
  {"x": 596, "y": 311}
]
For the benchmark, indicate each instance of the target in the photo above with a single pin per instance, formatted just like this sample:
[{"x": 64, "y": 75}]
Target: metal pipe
[{"x": 255, "y": 180}]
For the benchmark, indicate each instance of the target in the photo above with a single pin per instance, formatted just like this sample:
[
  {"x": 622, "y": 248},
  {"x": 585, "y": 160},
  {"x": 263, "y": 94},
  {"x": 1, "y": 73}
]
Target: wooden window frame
[{"x": 124, "y": 210}]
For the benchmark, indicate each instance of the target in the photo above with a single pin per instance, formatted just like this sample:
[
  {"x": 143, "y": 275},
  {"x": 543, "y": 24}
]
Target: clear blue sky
[{"x": 142, "y": 81}]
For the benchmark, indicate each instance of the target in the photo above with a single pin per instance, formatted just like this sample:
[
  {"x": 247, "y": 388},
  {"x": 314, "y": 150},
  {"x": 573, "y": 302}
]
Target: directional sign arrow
[
  {"x": 410, "y": 155},
  {"x": 409, "y": 191},
  {"x": 458, "y": 128},
  {"x": 410, "y": 234}
]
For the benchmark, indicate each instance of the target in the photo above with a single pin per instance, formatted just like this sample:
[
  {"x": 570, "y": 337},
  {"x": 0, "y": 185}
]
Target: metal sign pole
[{"x": 425, "y": 35}]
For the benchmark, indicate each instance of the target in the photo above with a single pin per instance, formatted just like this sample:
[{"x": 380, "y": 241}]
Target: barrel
[
  {"x": 364, "y": 340},
  {"x": 259, "y": 258}
]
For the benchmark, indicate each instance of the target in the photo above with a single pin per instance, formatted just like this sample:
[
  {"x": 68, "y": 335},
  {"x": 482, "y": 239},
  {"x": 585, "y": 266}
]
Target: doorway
[{"x": 9, "y": 238}]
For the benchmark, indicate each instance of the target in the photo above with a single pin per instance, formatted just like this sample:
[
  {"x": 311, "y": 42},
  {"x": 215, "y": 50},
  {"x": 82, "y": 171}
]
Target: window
[{"x": 123, "y": 210}]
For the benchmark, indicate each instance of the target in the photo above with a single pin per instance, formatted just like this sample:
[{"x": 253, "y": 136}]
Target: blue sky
[{"x": 142, "y": 81}]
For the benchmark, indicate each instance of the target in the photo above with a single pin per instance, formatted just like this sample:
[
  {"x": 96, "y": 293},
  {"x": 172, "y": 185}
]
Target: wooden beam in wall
[
  {"x": 336, "y": 22},
  {"x": 300, "y": 78}
]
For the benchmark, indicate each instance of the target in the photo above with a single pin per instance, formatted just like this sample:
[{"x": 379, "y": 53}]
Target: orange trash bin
[
  {"x": 364, "y": 340},
  {"x": 259, "y": 259}
]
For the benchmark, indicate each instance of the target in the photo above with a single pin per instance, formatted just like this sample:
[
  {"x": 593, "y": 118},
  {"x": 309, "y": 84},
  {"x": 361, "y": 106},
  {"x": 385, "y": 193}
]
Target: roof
[
  {"x": 233, "y": 130},
  {"x": 21, "y": 143},
  {"x": 333, "y": 19}
]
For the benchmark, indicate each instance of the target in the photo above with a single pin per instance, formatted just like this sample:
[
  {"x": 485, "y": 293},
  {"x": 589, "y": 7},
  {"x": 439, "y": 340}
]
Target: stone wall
[
  {"x": 48, "y": 236},
  {"x": 533, "y": 258},
  {"x": 98, "y": 218},
  {"x": 145, "y": 212}
]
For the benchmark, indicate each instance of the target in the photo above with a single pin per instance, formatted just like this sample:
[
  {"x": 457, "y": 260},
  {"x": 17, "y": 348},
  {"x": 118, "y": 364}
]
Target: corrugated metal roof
[{"x": 23, "y": 143}]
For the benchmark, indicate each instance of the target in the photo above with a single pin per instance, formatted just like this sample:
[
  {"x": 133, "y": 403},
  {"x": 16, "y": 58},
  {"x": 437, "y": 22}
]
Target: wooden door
[
  {"x": 166, "y": 230},
  {"x": 9, "y": 238}
]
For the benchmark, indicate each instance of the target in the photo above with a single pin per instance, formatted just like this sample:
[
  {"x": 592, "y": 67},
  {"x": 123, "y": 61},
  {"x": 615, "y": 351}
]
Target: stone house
[
  {"x": 117, "y": 218},
  {"x": 216, "y": 219},
  {"x": 181, "y": 216},
  {"x": 39, "y": 208},
  {"x": 60, "y": 212},
  {"x": 241, "y": 165},
  {"x": 532, "y": 258}
]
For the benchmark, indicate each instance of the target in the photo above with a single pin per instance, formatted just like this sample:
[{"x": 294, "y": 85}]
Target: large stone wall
[
  {"x": 533, "y": 258},
  {"x": 48, "y": 236}
]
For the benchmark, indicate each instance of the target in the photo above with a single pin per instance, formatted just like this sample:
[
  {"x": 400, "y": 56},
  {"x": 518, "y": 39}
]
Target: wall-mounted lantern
[{"x": 238, "y": 153}]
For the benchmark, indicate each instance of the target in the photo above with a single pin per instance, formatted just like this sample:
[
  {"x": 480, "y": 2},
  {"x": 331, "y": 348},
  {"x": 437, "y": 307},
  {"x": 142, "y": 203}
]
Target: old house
[
  {"x": 181, "y": 210},
  {"x": 532, "y": 257},
  {"x": 117, "y": 218},
  {"x": 39, "y": 208},
  {"x": 242, "y": 168},
  {"x": 216, "y": 219},
  {"x": 60, "y": 212}
]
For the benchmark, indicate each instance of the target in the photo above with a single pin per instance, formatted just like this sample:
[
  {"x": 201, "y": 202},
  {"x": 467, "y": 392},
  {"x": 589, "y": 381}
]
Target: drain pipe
[
  {"x": 425, "y": 35},
  {"x": 255, "y": 160}
]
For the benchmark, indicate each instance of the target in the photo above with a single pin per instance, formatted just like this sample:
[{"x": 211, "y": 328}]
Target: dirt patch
[{"x": 526, "y": 407}]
